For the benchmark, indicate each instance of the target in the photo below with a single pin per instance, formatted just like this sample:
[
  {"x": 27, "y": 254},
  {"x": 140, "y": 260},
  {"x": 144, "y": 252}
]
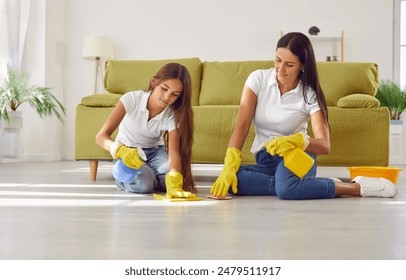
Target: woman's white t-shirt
[
  {"x": 277, "y": 115},
  {"x": 135, "y": 130}
]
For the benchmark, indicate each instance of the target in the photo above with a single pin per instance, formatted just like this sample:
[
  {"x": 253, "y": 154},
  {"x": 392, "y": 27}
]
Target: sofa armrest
[
  {"x": 101, "y": 100},
  {"x": 358, "y": 101}
]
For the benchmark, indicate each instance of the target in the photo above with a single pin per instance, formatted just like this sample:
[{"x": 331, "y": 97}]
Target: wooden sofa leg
[{"x": 93, "y": 169}]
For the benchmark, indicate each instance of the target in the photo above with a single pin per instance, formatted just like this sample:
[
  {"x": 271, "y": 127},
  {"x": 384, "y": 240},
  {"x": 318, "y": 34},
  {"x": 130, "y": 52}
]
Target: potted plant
[
  {"x": 391, "y": 96},
  {"x": 14, "y": 91}
]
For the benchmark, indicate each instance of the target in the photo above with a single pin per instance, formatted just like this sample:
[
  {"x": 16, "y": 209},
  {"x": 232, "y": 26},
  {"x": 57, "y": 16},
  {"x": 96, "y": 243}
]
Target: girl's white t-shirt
[
  {"x": 277, "y": 115},
  {"x": 135, "y": 130}
]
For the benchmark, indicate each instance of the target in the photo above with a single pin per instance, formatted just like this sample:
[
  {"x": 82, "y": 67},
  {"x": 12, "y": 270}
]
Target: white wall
[{"x": 210, "y": 29}]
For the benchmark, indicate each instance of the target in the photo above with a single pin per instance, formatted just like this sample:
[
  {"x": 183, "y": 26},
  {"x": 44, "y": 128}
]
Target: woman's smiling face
[{"x": 287, "y": 66}]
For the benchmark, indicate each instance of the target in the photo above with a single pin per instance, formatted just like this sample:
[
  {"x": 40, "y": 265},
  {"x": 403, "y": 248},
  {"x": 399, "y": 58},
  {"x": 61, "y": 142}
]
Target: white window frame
[{"x": 399, "y": 64}]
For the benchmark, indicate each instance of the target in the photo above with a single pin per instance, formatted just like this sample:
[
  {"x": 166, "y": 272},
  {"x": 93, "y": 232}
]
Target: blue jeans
[
  {"x": 270, "y": 177},
  {"x": 151, "y": 175}
]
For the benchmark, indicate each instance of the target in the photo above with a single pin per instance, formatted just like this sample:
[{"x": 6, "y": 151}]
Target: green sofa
[{"x": 359, "y": 129}]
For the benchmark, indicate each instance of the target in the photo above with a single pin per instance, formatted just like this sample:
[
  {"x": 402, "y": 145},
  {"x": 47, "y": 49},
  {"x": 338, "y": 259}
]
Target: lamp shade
[{"x": 98, "y": 46}]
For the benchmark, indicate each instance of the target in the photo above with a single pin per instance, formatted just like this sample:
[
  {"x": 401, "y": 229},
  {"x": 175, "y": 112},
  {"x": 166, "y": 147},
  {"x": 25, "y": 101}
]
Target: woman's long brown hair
[
  {"x": 300, "y": 45},
  {"x": 182, "y": 109}
]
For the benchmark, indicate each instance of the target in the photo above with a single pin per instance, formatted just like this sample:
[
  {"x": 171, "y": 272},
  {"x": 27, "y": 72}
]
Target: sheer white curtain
[
  {"x": 3, "y": 39},
  {"x": 403, "y": 44},
  {"x": 13, "y": 28}
]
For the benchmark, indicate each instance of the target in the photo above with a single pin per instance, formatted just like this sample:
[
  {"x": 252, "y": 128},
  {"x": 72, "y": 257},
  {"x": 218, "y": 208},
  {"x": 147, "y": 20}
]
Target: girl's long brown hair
[{"x": 182, "y": 109}]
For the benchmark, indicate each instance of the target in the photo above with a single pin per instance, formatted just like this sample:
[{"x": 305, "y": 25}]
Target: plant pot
[
  {"x": 10, "y": 137},
  {"x": 396, "y": 127},
  {"x": 15, "y": 120}
]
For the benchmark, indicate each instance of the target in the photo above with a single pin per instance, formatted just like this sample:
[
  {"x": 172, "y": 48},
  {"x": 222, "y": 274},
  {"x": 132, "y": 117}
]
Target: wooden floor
[{"x": 50, "y": 210}]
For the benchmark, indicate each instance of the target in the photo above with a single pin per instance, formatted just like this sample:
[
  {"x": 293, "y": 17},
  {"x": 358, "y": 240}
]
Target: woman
[
  {"x": 143, "y": 117},
  {"x": 280, "y": 101}
]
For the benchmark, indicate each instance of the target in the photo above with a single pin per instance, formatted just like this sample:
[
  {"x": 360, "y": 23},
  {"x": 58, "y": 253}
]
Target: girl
[{"x": 143, "y": 119}]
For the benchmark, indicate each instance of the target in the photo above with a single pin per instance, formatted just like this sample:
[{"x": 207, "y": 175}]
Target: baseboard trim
[{"x": 206, "y": 169}]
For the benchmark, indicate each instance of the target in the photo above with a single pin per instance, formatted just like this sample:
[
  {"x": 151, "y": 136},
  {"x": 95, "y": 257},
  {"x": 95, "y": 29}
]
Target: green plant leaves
[
  {"x": 391, "y": 96},
  {"x": 15, "y": 90}
]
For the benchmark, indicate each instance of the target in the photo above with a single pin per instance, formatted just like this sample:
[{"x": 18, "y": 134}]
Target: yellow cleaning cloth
[{"x": 176, "y": 199}]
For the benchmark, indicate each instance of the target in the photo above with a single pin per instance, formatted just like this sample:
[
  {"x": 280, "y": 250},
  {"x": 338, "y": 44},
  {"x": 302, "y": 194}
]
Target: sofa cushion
[
  {"x": 341, "y": 79},
  {"x": 101, "y": 100},
  {"x": 213, "y": 126},
  {"x": 223, "y": 82},
  {"x": 128, "y": 75},
  {"x": 358, "y": 101},
  {"x": 358, "y": 136}
]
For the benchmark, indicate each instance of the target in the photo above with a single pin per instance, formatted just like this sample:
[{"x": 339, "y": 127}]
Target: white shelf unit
[{"x": 327, "y": 46}]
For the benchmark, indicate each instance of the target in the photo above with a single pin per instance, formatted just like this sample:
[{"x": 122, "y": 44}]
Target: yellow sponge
[{"x": 176, "y": 199}]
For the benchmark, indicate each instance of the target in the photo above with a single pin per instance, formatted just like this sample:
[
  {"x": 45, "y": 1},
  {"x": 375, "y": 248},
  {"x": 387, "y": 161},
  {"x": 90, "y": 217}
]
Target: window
[
  {"x": 403, "y": 44},
  {"x": 3, "y": 41}
]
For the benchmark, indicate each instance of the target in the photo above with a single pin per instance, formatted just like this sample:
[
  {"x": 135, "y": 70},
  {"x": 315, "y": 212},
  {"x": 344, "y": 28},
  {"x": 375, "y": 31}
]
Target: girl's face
[
  {"x": 287, "y": 66},
  {"x": 167, "y": 92}
]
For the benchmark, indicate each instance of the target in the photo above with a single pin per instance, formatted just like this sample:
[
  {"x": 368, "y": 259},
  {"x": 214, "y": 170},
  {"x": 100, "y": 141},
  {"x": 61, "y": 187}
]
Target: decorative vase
[
  {"x": 314, "y": 30},
  {"x": 396, "y": 127},
  {"x": 396, "y": 142},
  {"x": 10, "y": 138}
]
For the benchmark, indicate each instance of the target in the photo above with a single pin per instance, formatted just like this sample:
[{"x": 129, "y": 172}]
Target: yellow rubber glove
[
  {"x": 129, "y": 156},
  {"x": 174, "y": 184},
  {"x": 228, "y": 175},
  {"x": 285, "y": 144}
]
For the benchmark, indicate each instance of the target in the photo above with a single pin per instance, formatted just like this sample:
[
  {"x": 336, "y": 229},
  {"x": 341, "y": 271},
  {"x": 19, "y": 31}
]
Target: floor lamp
[{"x": 95, "y": 48}]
